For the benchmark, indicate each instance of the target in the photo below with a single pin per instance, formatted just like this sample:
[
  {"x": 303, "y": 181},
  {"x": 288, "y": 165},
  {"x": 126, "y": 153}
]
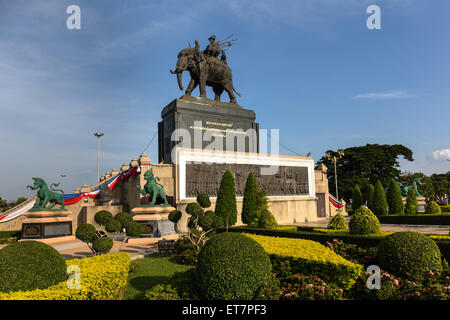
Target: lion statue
[
  {"x": 45, "y": 195},
  {"x": 152, "y": 188}
]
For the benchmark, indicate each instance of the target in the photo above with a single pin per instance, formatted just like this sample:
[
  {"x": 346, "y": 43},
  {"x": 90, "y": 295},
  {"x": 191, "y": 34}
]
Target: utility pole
[
  {"x": 62, "y": 181},
  {"x": 98, "y": 135},
  {"x": 335, "y": 159}
]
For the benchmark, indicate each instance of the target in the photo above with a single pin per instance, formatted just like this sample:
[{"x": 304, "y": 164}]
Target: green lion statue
[
  {"x": 45, "y": 195},
  {"x": 152, "y": 188}
]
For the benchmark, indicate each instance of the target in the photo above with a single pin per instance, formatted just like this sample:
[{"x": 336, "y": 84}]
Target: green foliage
[
  {"x": 363, "y": 221},
  {"x": 175, "y": 216},
  {"x": 30, "y": 265},
  {"x": 370, "y": 196},
  {"x": 86, "y": 233},
  {"x": 432, "y": 208},
  {"x": 337, "y": 222},
  {"x": 267, "y": 220},
  {"x": 426, "y": 189},
  {"x": 203, "y": 200},
  {"x": 365, "y": 164},
  {"x": 302, "y": 287},
  {"x": 250, "y": 202},
  {"x": 113, "y": 226},
  {"x": 379, "y": 200},
  {"x": 357, "y": 200},
  {"x": 445, "y": 209},
  {"x": 233, "y": 266},
  {"x": 205, "y": 222},
  {"x": 394, "y": 198},
  {"x": 194, "y": 209},
  {"x": 162, "y": 292},
  {"x": 124, "y": 218},
  {"x": 411, "y": 207},
  {"x": 103, "y": 217},
  {"x": 134, "y": 229},
  {"x": 226, "y": 199},
  {"x": 409, "y": 253},
  {"x": 102, "y": 245},
  {"x": 185, "y": 251}
]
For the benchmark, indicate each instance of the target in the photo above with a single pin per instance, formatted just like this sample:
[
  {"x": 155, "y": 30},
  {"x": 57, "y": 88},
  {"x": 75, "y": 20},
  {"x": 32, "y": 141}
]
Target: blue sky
[{"x": 309, "y": 68}]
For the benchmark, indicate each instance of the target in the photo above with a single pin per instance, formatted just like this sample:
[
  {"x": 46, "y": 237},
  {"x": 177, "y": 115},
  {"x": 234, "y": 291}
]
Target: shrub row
[
  {"x": 5, "y": 236},
  {"x": 101, "y": 278},
  {"x": 445, "y": 209},
  {"x": 425, "y": 219},
  {"x": 364, "y": 241},
  {"x": 309, "y": 258}
]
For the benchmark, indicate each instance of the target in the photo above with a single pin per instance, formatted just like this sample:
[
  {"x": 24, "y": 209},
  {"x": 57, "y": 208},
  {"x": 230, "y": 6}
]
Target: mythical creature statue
[
  {"x": 152, "y": 188},
  {"x": 206, "y": 69},
  {"x": 45, "y": 195},
  {"x": 405, "y": 188}
]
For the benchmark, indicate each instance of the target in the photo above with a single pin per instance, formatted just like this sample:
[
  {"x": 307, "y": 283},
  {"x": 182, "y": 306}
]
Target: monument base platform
[
  {"x": 144, "y": 241},
  {"x": 155, "y": 220},
  {"x": 46, "y": 224}
]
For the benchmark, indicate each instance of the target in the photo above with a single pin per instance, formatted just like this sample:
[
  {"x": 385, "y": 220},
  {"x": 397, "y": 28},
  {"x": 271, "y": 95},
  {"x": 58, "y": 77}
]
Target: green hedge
[
  {"x": 445, "y": 209},
  {"x": 426, "y": 219},
  {"x": 365, "y": 241},
  {"x": 6, "y": 235}
]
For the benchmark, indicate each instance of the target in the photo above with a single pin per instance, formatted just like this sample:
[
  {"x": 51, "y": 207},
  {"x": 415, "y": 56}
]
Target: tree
[
  {"x": 394, "y": 198},
  {"x": 379, "y": 200},
  {"x": 411, "y": 207},
  {"x": 356, "y": 198},
  {"x": 370, "y": 196},
  {"x": 250, "y": 202},
  {"x": 365, "y": 164},
  {"x": 226, "y": 200}
]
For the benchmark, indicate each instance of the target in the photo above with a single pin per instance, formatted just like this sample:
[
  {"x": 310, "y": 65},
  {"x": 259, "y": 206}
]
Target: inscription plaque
[{"x": 205, "y": 178}]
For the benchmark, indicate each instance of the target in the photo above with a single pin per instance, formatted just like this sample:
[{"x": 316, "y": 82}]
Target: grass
[{"x": 150, "y": 271}]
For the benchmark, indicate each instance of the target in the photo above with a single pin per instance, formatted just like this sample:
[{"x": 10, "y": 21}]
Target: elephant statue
[{"x": 205, "y": 70}]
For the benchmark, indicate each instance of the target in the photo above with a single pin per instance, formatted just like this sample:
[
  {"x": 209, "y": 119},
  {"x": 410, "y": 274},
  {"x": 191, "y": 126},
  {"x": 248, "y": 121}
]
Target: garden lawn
[{"x": 151, "y": 271}]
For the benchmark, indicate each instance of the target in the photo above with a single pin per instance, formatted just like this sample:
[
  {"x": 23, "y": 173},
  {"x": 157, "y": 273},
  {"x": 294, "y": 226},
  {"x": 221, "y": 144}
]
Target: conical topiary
[
  {"x": 337, "y": 222},
  {"x": 356, "y": 198},
  {"x": 411, "y": 207},
  {"x": 250, "y": 202},
  {"x": 379, "y": 200},
  {"x": 226, "y": 199},
  {"x": 370, "y": 196},
  {"x": 394, "y": 198}
]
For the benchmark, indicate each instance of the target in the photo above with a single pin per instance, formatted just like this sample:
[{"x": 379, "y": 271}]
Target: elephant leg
[
  {"x": 218, "y": 91},
  {"x": 202, "y": 86},
  {"x": 229, "y": 90},
  {"x": 191, "y": 87}
]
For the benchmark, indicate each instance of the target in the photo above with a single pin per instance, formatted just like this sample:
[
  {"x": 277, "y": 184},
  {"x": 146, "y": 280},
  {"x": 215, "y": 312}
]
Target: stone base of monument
[
  {"x": 47, "y": 225},
  {"x": 157, "y": 225}
]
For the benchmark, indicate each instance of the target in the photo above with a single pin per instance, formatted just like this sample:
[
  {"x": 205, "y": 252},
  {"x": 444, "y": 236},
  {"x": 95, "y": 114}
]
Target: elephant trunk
[{"x": 179, "y": 78}]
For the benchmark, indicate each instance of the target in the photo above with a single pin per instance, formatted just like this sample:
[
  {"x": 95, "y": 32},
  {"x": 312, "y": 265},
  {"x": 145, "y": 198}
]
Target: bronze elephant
[{"x": 205, "y": 71}]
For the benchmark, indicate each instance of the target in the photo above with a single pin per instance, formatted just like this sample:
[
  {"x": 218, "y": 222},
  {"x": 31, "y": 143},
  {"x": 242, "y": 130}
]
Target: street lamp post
[
  {"x": 335, "y": 159},
  {"x": 98, "y": 135},
  {"x": 62, "y": 181}
]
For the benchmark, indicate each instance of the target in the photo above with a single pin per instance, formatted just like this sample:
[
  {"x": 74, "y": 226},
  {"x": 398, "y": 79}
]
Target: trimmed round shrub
[
  {"x": 194, "y": 209},
  {"x": 102, "y": 245},
  {"x": 86, "y": 233},
  {"x": 205, "y": 222},
  {"x": 124, "y": 218},
  {"x": 267, "y": 220},
  {"x": 432, "y": 208},
  {"x": 337, "y": 222},
  {"x": 29, "y": 265},
  {"x": 409, "y": 252},
  {"x": 103, "y": 217},
  {"x": 175, "y": 216},
  {"x": 134, "y": 229},
  {"x": 113, "y": 226},
  {"x": 203, "y": 200},
  {"x": 363, "y": 221},
  {"x": 232, "y": 266}
]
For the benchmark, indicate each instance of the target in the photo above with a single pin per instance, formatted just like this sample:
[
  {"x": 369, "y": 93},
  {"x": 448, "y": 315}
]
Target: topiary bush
[
  {"x": 30, "y": 265},
  {"x": 226, "y": 199},
  {"x": 250, "y": 201},
  {"x": 410, "y": 253},
  {"x": 113, "y": 226},
  {"x": 379, "y": 200},
  {"x": 267, "y": 220},
  {"x": 86, "y": 233},
  {"x": 357, "y": 200},
  {"x": 134, "y": 229},
  {"x": 337, "y": 222},
  {"x": 232, "y": 266},
  {"x": 124, "y": 218},
  {"x": 194, "y": 209},
  {"x": 175, "y": 216},
  {"x": 411, "y": 207},
  {"x": 394, "y": 198},
  {"x": 102, "y": 245},
  {"x": 432, "y": 208},
  {"x": 203, "y": 200},
  {"x": 363, "y": 221},
  {"x": 103, "y": 217}
]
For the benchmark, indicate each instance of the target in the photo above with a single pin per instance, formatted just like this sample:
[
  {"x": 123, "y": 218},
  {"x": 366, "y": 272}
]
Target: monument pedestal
[
  {"x": 45, "y": 224},
  {"x": 155, "y": 220}
]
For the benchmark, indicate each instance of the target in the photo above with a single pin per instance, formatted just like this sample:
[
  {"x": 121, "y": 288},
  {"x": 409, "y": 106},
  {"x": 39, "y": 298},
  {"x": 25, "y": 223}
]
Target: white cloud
[
  {"x": 393, "y": 94},
  {"x": 441, "y": 154}
]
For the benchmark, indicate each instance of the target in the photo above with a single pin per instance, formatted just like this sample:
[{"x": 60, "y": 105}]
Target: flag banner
[{"x": 336, "y": 203}]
